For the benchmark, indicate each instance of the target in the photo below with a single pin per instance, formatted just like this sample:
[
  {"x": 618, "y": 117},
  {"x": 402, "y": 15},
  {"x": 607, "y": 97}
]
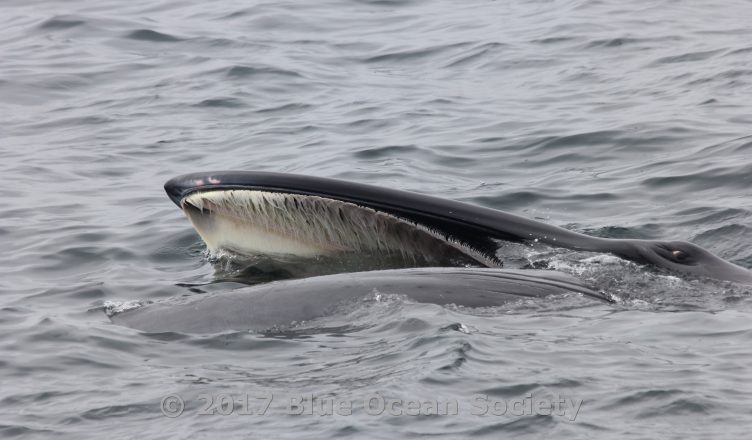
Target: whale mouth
[{"x": 258, "y": 222}]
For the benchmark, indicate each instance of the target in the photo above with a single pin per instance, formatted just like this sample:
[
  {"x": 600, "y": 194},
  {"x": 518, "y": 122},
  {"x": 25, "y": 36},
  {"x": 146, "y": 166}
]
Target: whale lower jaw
[
  {"x": 275, "y": 223},
  {"x": 284, "y": 304}
]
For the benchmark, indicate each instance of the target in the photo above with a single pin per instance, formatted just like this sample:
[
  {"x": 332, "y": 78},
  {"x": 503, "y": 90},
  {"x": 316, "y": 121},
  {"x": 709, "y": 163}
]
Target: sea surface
[{"x": 612, "y": 118}]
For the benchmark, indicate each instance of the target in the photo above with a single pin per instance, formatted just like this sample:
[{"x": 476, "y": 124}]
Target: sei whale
[{"x": 309, "y": 217}]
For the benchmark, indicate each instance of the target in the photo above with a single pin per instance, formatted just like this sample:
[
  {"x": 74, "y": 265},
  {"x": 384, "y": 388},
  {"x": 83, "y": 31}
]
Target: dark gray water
[{"x": 620, "y": 119}]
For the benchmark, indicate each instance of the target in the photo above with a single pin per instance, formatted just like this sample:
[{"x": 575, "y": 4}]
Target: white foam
[{"x": 112, "y": 308}]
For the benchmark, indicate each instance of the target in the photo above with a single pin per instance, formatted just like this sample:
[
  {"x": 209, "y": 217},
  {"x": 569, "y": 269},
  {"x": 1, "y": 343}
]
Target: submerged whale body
[
  {"x": 278, "y": 304},
  {"x": 263, "y": 212}
]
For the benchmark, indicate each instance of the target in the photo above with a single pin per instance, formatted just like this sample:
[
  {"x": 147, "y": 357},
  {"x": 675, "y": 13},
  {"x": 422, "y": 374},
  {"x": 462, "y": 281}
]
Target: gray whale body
[{"x": 280, "y": 303}]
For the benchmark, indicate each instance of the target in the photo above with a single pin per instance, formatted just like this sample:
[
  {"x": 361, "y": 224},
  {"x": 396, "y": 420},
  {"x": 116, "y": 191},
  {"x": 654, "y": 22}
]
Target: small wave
[
  {"x": 578, "y": 140},
  {"x": 728, "y": 79},
  {"x": 388, "y": 151},
  {"x": 401, "y": 56},
  {"x": 613, "y": 42},
  {"x": 291, "y": 107},
  {"x": 61, "y": 22},
  {"x": 553, "y": 40},
  {"x": 688, "y": 57},
  {"x": 537, "y": 424},
  {"x": 249, "y": 71},
  {"x": 688, "y": 406},
  {"x": 110, "y": 411},
  {"x": 228, "y": 102},
  {"x": 483, "y": 51},
  {"x": 643, "y": 396},
  {"x": 10, "y": 431},
  {"x": 150, "y": 35},
  {"x": 719, "y": 177},
  {"x": 391, "y": 152}
]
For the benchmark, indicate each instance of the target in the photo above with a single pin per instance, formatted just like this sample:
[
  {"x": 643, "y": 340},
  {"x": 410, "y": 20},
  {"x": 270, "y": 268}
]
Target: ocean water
[{"x": 618, "y": 119}]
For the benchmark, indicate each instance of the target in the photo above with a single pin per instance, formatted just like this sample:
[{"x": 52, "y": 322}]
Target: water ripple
[{"x": 592, "y": 115}]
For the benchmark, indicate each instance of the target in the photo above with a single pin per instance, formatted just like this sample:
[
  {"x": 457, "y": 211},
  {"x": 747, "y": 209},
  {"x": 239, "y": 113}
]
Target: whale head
[
  {"x": 681, "y": 257},
  {"x": 286, "y": 214}
]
